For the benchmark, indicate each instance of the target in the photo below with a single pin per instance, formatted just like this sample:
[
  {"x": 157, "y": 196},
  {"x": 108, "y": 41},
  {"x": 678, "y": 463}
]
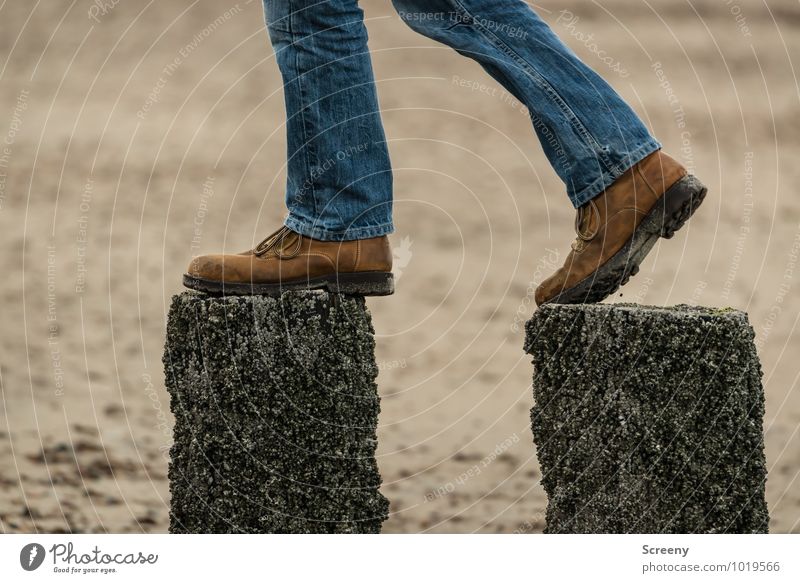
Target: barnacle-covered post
[
  {"x": 276, "y": 408},
  {"x": 648, "y": 420}
]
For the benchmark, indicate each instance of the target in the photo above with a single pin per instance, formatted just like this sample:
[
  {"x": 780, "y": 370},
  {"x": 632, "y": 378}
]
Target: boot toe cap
[
  {"x": 550, "y": 288},
  {"x": 206, "y": 267}
]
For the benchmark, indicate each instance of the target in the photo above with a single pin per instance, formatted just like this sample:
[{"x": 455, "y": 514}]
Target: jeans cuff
[
  {"x": 315, "y": 231},
  {"x": 608, "y": 177}
]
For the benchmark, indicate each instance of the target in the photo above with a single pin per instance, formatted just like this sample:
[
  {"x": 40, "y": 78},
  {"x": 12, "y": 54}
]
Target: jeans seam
[
  {"x": 306, "y": 146},
  {"x": 540, "y": 80}
]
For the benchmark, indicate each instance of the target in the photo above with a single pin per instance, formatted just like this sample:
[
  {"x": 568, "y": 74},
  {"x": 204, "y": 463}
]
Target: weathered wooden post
[
  {"x": 648, "y": 420},
  {"x": 276, "y": 408}
]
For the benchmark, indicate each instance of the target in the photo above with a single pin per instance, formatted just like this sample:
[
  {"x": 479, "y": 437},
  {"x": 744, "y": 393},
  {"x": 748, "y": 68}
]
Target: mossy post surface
[
  {"x": 648, "y": 420},
  {"x": 276, "y": 410}
]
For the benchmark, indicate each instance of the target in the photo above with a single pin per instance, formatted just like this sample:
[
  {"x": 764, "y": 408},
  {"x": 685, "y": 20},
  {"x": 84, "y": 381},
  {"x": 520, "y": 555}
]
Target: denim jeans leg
[
  {"x": 588, "y": 132},
  {"x": 339, "y": 184}
]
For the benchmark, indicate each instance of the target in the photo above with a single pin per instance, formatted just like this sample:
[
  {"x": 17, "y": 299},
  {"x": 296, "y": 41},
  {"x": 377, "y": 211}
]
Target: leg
[
  {"x": 627, "y": 192},
  {"x": 339, "y": 183},
  {"x": 339, "y": 186},
  {"x": 589, "y": 134}
]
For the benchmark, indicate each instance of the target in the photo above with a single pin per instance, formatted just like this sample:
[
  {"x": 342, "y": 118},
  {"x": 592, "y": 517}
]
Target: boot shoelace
[
  {"x": 275, "y": 241},
  {"x": 583, "y": 237}
]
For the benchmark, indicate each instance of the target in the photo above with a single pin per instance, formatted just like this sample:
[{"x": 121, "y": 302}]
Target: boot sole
[
  {"x": 670, "y": 213},
  {"x": 365, "y": 283}
]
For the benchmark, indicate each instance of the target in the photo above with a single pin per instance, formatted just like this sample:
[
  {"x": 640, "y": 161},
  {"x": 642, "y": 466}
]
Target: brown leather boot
[
  {"x": 289, "y": 261},
  {"x": 618, "y": 228}
]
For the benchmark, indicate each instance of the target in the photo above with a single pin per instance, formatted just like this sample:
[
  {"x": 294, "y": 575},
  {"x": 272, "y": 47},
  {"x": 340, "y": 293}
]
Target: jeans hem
[
  {"x": 607, "y": 178},
  {"x": 322, "y": 234}
]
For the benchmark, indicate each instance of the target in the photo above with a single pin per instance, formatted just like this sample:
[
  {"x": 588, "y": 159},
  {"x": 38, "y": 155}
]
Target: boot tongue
[
  {"x": 287, "y": 242},
  {"x": 587, "y": 221}
]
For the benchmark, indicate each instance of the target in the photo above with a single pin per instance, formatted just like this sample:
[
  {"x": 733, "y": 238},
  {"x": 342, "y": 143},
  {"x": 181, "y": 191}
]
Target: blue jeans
[{"x": 339, "y": 184}]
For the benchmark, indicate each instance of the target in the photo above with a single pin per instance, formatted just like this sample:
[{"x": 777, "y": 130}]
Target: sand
[{"x": 113, "y": 172}]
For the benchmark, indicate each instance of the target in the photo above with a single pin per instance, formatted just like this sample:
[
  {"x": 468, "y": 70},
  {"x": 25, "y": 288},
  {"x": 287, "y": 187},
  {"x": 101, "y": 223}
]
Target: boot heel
[
  {"x": 365, "y": 283},
  {"x": 680, "y": 202}
]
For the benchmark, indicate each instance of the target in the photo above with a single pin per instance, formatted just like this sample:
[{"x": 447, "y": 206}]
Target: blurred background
[{"x": 136, "y": 134}]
